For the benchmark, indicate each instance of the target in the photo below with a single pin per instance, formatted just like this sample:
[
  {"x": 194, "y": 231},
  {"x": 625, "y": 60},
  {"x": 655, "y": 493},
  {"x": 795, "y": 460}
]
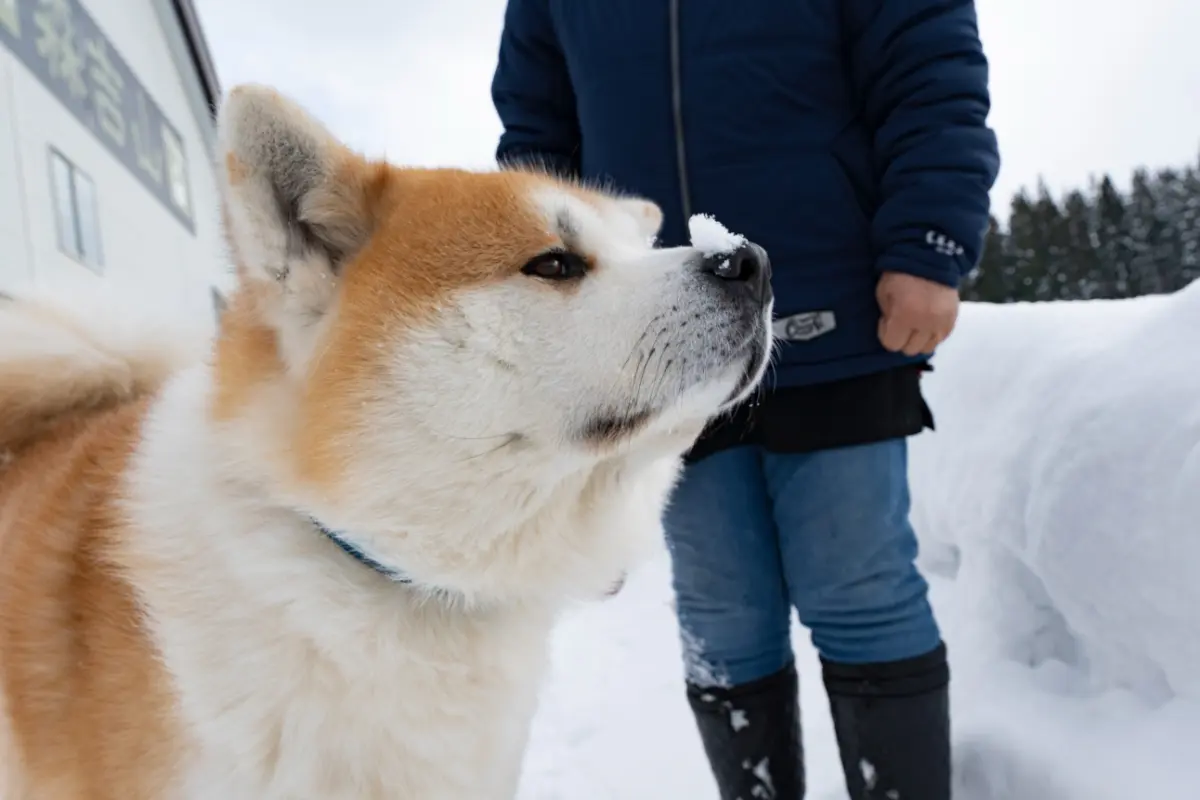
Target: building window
[
  {"x": 177, "y": 178},
  {"x": 75, "y": 212}
]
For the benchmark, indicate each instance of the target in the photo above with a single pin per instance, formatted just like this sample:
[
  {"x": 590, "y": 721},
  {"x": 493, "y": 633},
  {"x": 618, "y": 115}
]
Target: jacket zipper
[{"x": 677, "y": 110}]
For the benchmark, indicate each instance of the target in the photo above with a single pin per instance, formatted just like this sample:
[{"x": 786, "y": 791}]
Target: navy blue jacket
[{"x": 847, "y": 137}]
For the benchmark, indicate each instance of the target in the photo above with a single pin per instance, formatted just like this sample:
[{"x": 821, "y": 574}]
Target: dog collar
[{"x": 357, "y": 553}]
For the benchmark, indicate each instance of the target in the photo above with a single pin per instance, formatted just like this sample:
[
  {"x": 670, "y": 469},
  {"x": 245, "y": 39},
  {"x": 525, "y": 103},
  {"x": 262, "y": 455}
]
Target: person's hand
[{"x": 918, "y": 314}]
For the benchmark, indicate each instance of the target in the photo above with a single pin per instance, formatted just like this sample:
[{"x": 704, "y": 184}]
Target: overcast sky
[{"x": 1079, "y": 86}]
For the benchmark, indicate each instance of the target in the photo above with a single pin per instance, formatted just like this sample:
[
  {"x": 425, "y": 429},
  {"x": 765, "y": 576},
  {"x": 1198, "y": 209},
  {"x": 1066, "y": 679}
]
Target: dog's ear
[
  {"x": 646, "y": 215},
  {"x": 297, "y": 203}
]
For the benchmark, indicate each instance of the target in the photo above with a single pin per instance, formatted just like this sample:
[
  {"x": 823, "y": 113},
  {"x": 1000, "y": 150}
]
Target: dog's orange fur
[{"x": 85, "y": 694}]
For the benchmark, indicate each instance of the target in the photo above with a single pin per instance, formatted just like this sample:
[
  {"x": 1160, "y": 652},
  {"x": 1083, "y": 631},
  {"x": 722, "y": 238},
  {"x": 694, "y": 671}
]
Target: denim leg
[
  {"x": 734, "y": 613},
  {"x": 849, "y": 552}
]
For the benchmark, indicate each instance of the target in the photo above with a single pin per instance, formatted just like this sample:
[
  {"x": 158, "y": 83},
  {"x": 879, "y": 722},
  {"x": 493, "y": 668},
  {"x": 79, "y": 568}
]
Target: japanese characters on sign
[{"x": 60, "y": 43}]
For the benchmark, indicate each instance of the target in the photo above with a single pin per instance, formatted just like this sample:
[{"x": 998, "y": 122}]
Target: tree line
[{"x": 1094, "y": 243}]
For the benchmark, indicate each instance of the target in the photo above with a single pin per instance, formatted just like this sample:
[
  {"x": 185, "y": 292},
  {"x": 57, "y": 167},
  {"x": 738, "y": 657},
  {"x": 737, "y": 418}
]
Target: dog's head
[{"x": 441, "y": 361}]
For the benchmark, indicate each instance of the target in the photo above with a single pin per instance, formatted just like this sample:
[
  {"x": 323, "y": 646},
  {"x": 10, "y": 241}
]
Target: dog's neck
[
  {"x": 542, "y": 526},
  {"x": 356, "y": 552},
  {"x": 352, "y": 549}
]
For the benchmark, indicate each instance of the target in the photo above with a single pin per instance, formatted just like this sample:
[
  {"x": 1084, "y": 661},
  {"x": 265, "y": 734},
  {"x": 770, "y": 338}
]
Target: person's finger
[
  {"x": 916, "y": 341},
  {"x": 883, "y": 297},
  {"x": 893, "y": 334},
  {"x": 925, "y": 343}
]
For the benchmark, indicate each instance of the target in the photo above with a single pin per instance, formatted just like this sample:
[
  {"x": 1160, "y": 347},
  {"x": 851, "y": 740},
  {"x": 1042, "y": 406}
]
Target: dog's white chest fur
[
  {"x": 307, "y": 727},
  {"x": 398, "y": 725},
  {"x": 303, "y": 674}
]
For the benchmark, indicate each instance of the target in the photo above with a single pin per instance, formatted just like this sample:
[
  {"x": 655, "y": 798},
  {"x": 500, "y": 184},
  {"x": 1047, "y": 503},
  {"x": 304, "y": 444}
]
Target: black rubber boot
[
  {"x": 893, "y": 727},
  {"x": 751, "y": 734}
]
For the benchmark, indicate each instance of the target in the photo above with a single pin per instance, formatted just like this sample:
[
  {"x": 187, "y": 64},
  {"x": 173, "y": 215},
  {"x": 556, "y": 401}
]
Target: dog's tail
[{"x": 55, "y": 361}]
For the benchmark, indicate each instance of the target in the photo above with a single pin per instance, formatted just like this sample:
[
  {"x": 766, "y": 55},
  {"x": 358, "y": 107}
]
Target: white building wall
[
  {"x": 143, "y": 242},
  {"x": 16, "y": 260}
]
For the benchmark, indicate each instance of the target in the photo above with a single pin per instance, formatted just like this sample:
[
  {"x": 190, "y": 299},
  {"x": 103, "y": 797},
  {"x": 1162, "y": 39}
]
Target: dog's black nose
[{"x": 746, "y": 268}]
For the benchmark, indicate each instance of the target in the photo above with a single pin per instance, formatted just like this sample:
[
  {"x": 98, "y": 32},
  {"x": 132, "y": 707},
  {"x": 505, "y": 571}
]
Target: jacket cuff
[
  {"x": 925, "y": 262},
  {"x": 554, "y": 163}
]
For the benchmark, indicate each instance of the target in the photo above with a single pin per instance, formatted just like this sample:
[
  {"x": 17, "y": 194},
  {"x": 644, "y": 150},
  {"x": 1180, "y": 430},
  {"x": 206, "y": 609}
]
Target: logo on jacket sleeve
[
  {"x": 943, "y": 244},
  {"x": 806, "y": 326}
]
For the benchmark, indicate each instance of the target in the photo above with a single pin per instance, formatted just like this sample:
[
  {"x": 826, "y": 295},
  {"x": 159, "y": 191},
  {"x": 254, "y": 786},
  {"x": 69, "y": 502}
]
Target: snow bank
[
  {"x": 1062, "y": 486},
  {"x": 1058, "y": 506}
]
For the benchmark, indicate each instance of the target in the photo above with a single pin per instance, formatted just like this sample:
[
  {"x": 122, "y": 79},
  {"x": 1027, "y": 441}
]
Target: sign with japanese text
[{"x": 60, "y": 43}]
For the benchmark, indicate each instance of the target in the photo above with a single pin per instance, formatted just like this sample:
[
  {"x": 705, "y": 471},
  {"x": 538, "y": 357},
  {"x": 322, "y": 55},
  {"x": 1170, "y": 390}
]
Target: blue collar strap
[{"x": 358, "y": 555}]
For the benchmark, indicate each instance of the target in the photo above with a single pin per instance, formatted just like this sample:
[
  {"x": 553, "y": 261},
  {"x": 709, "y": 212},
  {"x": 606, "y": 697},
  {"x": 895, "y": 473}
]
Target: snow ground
[{"x": 1058, "y": 506}]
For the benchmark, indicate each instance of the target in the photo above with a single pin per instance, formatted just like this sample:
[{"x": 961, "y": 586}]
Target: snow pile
[
  {"x": 711, "y": 237},
  {"x": 1065, "y": 479},
  {"x": 1058, "y": 505}
]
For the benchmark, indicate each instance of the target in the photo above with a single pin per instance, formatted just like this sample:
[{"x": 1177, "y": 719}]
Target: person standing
[{"x": 850, "y": 139}]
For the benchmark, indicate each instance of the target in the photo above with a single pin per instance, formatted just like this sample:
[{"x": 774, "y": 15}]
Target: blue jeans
[{"x": 754, "y": 534}]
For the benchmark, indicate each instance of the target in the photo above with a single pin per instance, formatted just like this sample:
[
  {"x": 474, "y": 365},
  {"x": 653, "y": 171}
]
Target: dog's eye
[{"x": 556, "y": 266}]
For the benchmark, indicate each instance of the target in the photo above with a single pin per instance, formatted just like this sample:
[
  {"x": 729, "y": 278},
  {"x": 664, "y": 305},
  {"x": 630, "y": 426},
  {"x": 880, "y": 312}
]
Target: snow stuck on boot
[{"x": 713, "y": 238}]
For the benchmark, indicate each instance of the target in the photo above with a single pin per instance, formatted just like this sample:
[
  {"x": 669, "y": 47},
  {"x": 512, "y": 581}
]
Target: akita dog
[{"x": 320, "y": 555}]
